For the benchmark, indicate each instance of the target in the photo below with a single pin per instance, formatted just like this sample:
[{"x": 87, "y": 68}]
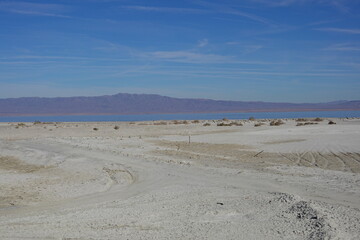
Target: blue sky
[{"x": 249, "y": 50}]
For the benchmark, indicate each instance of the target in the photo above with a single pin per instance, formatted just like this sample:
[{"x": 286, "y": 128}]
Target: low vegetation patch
[
  {"x": 20, "y": 125},
  {"x": 331, "y": 122},
  {"x": 160, "y": 123},
  {"x": 222, "y": 124},
  {"x": 95, "y": 129},
  {"x": 180, "y": 122},
  {"x": 310, "y": 123},
  {"x": 276, "y": 122},
  {"x": 306, "y": 123},
  {"x": 318, "y": 120},
  {"x": 258, "y": 124},
  {"x": 302, "y": 120}
]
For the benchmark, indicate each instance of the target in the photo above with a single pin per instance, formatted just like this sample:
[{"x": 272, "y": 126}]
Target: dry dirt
[{"x": 170, "y": 180}]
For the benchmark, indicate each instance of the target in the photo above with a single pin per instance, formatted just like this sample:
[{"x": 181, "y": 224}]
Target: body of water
[{"x": 183, "y": 116}]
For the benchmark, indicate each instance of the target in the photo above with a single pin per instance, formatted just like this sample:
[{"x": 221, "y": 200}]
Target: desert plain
[{"x": 218, "y": 179}]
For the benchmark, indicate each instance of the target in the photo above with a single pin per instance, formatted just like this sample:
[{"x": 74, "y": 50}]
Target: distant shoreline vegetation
[{"x": 182, "y": 116}]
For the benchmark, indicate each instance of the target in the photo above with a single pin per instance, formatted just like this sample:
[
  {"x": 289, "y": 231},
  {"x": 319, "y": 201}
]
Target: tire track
[
  {"x": 326, "y": 161},
  {"x": 353, "y": 163},
  {"x": 345, "y": 167},
  {"x": 288, "y": 158}
]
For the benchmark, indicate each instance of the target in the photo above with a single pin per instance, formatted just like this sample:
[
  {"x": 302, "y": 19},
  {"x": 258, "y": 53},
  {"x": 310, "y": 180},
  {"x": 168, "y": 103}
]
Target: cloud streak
[
  {"x": 343, "y": 47},
  {"x": 164, "y": 9},
  {"x": 203, "y": 42},
  {"x": 34, "y": 9},
  {"x": 212, "y": 8},
  {"x": 189, "y": 57},
  {"x": 340, "y": 30}
]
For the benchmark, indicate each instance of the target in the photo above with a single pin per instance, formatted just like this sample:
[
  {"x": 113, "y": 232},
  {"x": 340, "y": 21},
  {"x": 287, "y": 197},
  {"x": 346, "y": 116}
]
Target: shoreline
[{"x": 177, "y": 113}]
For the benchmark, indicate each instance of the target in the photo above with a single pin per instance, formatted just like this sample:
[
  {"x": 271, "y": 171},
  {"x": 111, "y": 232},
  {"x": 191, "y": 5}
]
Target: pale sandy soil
[{"x": 146, "y": 181}]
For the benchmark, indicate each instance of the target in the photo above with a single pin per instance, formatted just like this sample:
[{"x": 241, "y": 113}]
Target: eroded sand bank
[{"x": 145, "y": 180}]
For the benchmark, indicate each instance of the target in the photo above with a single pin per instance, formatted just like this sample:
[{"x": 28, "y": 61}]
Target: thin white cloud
[
  {"x": 38, "y": 13},
  {"x": 233, "y": 43},
  {"x": 164, "y": 9},
  {"x": 189, "y": 57},
  {"x": 212, "y": 8},
  {"x": 322, "y": 22},
  {"x": 34, "y": 9},
  {"x": 343, "y": 47},
  {"x": 340, "y": 30},
  {"x": 203, "y": 42},
  {"x": 247, "y": 48},
  {"x": 252, "y": 17},
  {"x": 225, "y": 9},
  {"x": 340, "y": 5}
]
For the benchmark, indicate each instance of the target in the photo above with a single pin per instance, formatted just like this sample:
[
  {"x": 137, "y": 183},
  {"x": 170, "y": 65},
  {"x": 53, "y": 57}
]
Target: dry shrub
[
  {"x": 258, "y": 124},
  {"x": 236, "y": 124},
  {"x": 20, "y": 125},
  {"x": 206, "y": 124},
  {"x": 318, "y": 120},
  {"x": 331, "y": 122},
  {"x": 116, "y": 127},
  {"x": 180, "y": 122},
  {"x": 251, "y": 118},
  {"x": 276, "y": 123},
  {"x": 223, "y": 124},
  {"x": 160, "y": 123},
  {"x": 310, "y": 123},
  {"x": 95, "y": 129},
  {"x": 302, "y": 120},
  {"x": 195, "y": 121},
  {"x": 225, "y": 119},
  {"x": 300, "y": 124}
]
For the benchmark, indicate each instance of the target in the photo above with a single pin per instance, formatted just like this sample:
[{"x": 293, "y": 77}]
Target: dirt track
[{"x": 61, "y": 181}]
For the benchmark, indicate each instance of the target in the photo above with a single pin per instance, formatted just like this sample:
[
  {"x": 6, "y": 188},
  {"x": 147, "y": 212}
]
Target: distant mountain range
[{"x": 124, "y": 103}]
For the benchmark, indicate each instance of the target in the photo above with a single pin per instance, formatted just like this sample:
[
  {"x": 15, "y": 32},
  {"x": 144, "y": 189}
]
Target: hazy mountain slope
[{"x": 148, "y": 103}]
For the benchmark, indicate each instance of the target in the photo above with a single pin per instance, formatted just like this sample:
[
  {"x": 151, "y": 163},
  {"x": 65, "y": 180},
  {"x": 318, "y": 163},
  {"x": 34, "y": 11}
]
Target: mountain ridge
[{"x": 126, "y": 103}]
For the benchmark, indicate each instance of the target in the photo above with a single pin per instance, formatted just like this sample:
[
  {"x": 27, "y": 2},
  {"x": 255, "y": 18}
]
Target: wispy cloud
[
  {"x": 165, "y": 9},
  {"x": 343, "y": 47},
  {"x": 340, "y": 30},
  {"x": 247, "y": 48},
  {"x": 203, "y": 42},
  {"x": 211, "y": 8},
  {"x": 340, "y": 5},
  {"x": 226, "y": 9},
  {"x": 37, "y": 58},
  {"x": 188, "y": 57},
  {"x": 35, "y": 9},
  {"x": 322, "y": 22},
  {"x": 250, "y": 16}
]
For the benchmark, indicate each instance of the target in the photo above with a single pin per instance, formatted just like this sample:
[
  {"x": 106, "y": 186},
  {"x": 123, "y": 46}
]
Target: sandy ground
[{"x": 145, "y": 180}]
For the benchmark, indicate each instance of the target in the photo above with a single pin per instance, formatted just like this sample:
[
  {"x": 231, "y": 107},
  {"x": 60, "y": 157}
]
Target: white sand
[{"x": 146, "y": 181}]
